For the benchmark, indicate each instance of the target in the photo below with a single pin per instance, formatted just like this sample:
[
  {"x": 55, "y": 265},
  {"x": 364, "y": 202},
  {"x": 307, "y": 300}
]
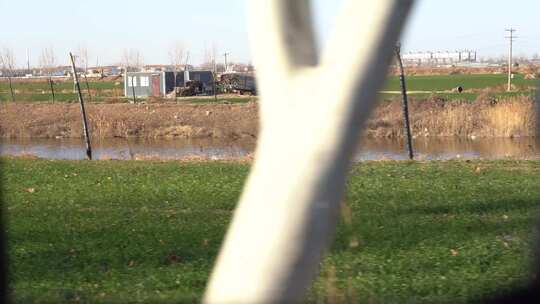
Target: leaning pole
[
  {"x": 83, "y": 111},
  {"x": 316, "y": 107},
  {"x": 405, "y": 104}
]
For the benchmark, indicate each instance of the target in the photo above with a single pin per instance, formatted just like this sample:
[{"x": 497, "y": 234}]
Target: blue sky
[{"x": 107, "y": 27}]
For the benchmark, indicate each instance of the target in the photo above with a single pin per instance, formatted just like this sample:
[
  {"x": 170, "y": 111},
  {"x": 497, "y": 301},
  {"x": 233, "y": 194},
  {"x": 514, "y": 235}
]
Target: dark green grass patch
[
  {"x": 58, "y": 97},
  {"x": 60, "y": 85},
  {"x": 449, "y": 82},
  {"x": 41, "y": 91},
  {"x": 467, "y": 97},
  {"x": 218, "y": 100},
  {"x": 149, "y": 231}
]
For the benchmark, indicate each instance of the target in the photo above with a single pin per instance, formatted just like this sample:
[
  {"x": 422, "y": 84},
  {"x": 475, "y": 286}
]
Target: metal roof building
[
  {"x": 159, "y": 84},
  {"x": 144, "y": 84}
]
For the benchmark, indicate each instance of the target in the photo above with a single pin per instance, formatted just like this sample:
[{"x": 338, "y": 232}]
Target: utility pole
[
  {"x": 226, "y": 54},
  {"x": 187, "y": 62},
  {"x": 186, "y": 70},
  {"x": 510, "y": 40},
  {"x": 214, "y": 76},
  {"x": 28, "y": 61}
]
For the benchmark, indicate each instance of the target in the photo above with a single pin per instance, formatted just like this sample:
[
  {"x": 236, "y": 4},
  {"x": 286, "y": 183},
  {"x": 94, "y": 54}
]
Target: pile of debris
[{"x": 238, "y": 84}]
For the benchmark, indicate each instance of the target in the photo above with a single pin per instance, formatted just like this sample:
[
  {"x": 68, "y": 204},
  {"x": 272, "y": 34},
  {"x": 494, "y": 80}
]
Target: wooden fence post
[
  {"x": 11, "y": 87},
  {"x": 52, "y": 88},
  {"x": 87, "y": 88}
]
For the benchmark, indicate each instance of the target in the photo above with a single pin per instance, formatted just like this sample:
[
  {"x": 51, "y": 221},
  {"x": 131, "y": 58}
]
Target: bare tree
[
  {"x": 126, "y": 64},
  {"x": 209, "y": 59},
  {"x": 83, "y": 61},
  {"x": 7, "y": 59},
  {"x": 47, "y": 61},
  {"x": 131, "y": 60},
  {"x": 176, "y": 56},
  {"x": 136, "y": 59}
]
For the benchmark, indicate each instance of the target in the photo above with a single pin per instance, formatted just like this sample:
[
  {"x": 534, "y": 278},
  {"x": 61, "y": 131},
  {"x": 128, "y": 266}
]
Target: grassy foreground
[{"x": 119, "y": 231}]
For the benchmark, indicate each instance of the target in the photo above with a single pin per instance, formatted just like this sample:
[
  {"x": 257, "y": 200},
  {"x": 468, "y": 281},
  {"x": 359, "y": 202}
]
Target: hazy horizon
[{"x": 107, "y": 28}]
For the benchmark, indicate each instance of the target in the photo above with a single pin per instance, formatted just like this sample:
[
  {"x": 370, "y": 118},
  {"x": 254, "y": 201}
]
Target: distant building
[
  {"x": 240, "y": 68},
  {"x": 12, "y": 73},
  {"x": 439, "y": 58},
  {"x": 159, "y": 84},
  {"x": 111, "y": 70},
  {"x": 59, "y": 71},
  {"x": 154, "y": 68}
]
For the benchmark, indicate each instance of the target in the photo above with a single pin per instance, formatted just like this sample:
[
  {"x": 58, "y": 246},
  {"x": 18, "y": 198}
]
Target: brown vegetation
[
  {"x": 482, "y": 118},
  {"x": 128, "y": 120}
]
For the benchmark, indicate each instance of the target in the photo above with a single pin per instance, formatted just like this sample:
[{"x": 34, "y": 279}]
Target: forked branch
[{"x": 311, "y": 117}]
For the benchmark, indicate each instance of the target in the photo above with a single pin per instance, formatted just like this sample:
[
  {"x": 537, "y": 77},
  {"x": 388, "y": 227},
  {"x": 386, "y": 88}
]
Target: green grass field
[
  {"x": 219, "y": 100},
  {"x": 102, "y": 91},
  {"x": 419, "y": 86},
  {"x": 105, "y": 91},
  {"x": 467, "y": 97},
  {"x": 59, "y": 97},
  {"x": 61, "y": 85},
  {"x": 449, "y": 82},
  {"x": 128, "y": 231}
]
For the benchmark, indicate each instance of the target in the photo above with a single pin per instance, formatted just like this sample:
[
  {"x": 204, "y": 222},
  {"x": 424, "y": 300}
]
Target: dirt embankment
[
  {"x": 513, "y": 117},
  {"x": 128, "y": 120}
]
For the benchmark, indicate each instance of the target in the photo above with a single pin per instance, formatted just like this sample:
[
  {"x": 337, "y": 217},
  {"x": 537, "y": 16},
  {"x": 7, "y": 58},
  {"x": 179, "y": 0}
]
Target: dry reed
[{"x": 486, "y": 117}]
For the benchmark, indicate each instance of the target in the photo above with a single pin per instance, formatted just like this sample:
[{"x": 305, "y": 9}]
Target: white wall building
[{"x": 439, "y": 58}]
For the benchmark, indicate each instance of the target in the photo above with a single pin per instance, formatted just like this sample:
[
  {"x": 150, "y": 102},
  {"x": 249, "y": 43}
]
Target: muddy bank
[{"x": 507, "y": 118}]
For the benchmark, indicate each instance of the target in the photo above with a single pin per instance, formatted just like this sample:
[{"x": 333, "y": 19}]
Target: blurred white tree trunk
[{"x": 311, "y": 118}]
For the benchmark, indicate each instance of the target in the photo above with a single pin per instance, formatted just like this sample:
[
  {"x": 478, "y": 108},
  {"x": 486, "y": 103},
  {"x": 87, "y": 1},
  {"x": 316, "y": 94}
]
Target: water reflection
[
  {"x": 370, "y": 149},
  {"x": 442, "y": 148}
]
